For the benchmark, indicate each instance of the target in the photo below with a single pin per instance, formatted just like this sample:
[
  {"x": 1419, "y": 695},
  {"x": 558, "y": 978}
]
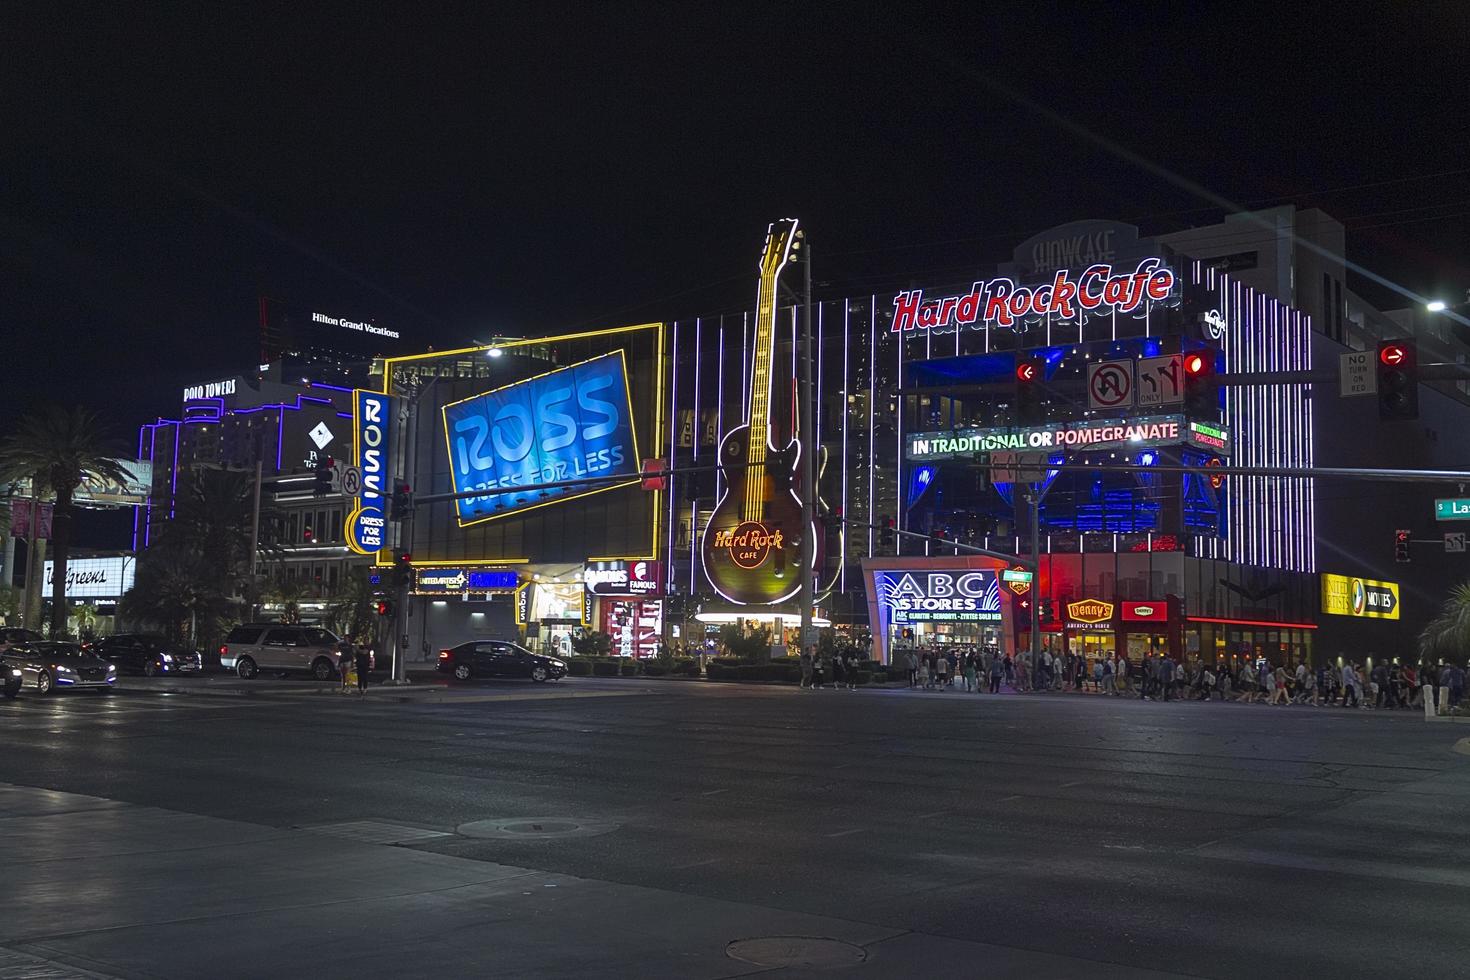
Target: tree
[
  {"x": 1447, "y": 635},
  {"x": 59, "y": 448},
  {"x": 213, "y": 518},
  {"x": 350, "y": 610},
  {"x": 177, "y": 591}
]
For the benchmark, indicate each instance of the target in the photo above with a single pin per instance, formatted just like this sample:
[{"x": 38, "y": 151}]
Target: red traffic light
[
  {"x": 1393, "y": 354},
  {"x": 1194, "y": 363},
  {"x": 1026, "y": 371}
]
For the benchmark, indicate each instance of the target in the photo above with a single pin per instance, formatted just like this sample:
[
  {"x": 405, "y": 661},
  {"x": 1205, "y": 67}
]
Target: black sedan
[
  {"x": 146, "y": 653},
  {"x": 51, "y": 665},
  {"x": 498, "y": 658}
]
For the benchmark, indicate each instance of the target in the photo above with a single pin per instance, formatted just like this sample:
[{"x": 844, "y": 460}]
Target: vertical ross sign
[
  {"x": 560, "y": 426},
  {"x": 367, "y": 525}
]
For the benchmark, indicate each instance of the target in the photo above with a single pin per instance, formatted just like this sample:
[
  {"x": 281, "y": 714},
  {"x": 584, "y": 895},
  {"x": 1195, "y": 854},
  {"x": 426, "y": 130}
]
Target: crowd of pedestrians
[{"x": 1156, "y": 677}]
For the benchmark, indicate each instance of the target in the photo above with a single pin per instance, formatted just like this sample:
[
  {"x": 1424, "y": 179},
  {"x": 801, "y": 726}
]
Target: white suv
[{"x": 254, "y": 647}]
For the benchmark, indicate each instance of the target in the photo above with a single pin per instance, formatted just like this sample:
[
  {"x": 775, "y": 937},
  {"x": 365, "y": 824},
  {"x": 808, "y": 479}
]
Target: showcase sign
[
  {"x": 1067, "y": 298},
  {"x": 1157, "y": 430},
  {"x": 622, "y": 578},
  {"x": 570, "y": 423},
  {"x": 1344, "y": 595},
  {"x": 367, "y": 525}
]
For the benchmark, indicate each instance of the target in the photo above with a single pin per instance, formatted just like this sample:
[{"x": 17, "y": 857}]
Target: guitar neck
[{"x": 760, "y": 375}]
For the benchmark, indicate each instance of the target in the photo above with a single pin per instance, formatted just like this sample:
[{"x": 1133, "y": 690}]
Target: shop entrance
[
  {"x": 1094, "y": 646},
  {"x": 1140, "y": 645}
]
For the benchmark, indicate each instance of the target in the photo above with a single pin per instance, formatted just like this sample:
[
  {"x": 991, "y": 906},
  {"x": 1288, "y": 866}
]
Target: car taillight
[{"x": 224, "y": 650}]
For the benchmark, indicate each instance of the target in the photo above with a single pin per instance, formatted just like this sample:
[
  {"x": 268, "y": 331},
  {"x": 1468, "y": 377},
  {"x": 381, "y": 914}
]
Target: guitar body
[{"x": 751, "y": 550}]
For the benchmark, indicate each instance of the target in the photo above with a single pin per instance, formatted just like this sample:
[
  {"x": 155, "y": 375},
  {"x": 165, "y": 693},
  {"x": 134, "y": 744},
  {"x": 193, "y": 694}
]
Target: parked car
[
  {"x": 146, "y": 653},
  {"x": 11, "y": 635},
  {"x": 498, "y": 658},
  {"x": 277, "y": 647},
  {"x": 51, "y": 665}
]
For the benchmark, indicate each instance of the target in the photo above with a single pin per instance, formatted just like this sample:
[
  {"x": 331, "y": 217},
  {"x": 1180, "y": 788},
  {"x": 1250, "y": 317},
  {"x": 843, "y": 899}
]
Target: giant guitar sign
[{"x": 752, "y": 544}]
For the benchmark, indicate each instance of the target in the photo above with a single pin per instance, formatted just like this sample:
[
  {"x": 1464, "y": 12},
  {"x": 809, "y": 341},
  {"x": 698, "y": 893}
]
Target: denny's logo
[
  {"x": 1090, "y": 611},
  {"x": 749, "y": 543}
]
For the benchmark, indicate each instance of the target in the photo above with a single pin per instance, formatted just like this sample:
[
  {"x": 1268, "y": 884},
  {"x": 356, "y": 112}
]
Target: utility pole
[
  {"x": 807, "y": 446},
  {"x": 255, "y": 529},
  {"x": 1035, "y": 498},
  {"x": 401, "y": 609}
]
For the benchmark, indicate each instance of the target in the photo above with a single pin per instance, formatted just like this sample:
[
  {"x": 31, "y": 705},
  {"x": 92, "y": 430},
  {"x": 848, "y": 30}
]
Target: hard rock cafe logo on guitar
[{"x": 749, "y": 544}]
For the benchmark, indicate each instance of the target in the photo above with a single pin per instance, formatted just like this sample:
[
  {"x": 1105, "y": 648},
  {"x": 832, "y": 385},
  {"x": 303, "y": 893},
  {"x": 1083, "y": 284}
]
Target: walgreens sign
[{"x": 1000, "y": 302}]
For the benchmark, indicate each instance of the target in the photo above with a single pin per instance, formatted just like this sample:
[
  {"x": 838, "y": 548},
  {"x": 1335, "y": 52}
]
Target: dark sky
[{"x": 536, "y": 166}]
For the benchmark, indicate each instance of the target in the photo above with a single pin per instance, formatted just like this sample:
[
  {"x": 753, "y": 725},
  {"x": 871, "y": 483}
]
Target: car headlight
[
  {"x": 62, "y": 669},
  {"x": 557, "y": 663},
  {"x": 15, "y": 672},
  {"x": 112, "y": 668},
  {"x": 166, "y": 658}
]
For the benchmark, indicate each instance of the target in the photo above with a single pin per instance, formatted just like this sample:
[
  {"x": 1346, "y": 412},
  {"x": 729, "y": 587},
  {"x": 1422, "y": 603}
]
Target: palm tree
[
  {"x": 350, "y": 610},
  {"x": 212, "y": 518},
  {"x": 1447, "y": 636},
  {"x": 177, "y": 591},
  {"x": 59, "y": 448}
]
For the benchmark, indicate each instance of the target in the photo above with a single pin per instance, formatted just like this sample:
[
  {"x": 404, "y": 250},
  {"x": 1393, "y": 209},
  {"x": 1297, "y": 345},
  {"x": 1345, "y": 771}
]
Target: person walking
[
  {"x": 941, "y": 668},
  {"x": 346, "y": 665},
  {"x": 997, "y": 671},
  {"x": 852, "y": 668},
  {"x": 1349, "y": 686},
  {"x": 819, "y": 664},
  {"x": 1279, "y": 675},
  {"x": 912, "y": 662},
  {"x": 363, "y": 662},
  {"x": 806, "y": 669},
  {"x": 1456, "y": 684},
  {"x": 839, "y": 671},
  {"x": 924, "y": 681},
  {"x": 970, "y": 672}
]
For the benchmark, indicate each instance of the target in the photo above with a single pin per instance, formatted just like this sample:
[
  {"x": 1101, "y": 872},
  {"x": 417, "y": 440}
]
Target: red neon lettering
[
  {"x": 1063, "y": 292},
  {"x": 1086, "y": 298},
  {"x": 996, "y": 309},
  {"x": 1160, "y": 284},
  {"x": 905, "y": 308},
  {"x": 927, "y": 315},
  {"x": 969, "y": 306},
  {"x": 1020, "y": 303},
  {"x": 946, "y": 308},
  {"x": 1115, "y": 291}
]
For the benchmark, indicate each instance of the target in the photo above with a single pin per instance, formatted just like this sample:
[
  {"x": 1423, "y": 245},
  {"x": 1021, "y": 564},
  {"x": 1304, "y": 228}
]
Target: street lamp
[
  {"x": 497, "y": 352},
  {"x": 1437, "y": 306}
]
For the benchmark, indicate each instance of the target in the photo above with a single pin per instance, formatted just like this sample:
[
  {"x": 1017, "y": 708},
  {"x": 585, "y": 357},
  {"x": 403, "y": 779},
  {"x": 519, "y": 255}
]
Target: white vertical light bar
[
  {"x": 872, "y": 394},
  {"x": 673, "y": 417},
  {"x": 846, "y": 345},
  {"x": 698, "y": 436}
]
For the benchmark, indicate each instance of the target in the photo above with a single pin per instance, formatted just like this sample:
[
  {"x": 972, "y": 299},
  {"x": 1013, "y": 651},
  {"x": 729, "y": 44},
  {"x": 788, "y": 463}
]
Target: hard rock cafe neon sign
[
  {"x": 749, "y": 543},
  {"x": 1000, "y": 302}
]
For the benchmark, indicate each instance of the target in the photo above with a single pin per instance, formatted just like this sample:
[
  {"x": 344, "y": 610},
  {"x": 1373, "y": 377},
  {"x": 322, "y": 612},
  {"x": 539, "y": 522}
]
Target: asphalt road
[{"x": 1201, "y": 840}]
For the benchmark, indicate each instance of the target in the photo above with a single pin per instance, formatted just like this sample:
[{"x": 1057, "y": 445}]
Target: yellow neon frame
[
  {"x": 633, "y": 425},
  {"x": 658, "y": 421}
]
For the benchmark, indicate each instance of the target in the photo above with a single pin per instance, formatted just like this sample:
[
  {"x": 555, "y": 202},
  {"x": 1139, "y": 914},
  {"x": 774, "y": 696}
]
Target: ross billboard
[{"x": 573, "y": 422}]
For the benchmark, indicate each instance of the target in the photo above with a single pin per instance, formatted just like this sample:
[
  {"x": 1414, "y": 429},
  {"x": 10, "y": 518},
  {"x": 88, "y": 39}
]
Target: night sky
[{"x": 542, "y": 166}]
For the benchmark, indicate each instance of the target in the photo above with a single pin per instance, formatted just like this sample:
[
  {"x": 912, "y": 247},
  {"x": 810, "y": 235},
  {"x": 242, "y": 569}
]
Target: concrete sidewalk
[{"x": 95, "y": 887}]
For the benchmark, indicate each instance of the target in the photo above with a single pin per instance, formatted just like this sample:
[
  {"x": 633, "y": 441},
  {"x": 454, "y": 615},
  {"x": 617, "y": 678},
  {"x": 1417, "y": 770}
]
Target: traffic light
[
  {"x": 323, "y": 477},
  {"x": 1201, "y": 386},
  {"x": 1044, "y": 609},
  {"x": 306, "y": 534},
  {"x": 1030, "y": 376},
  {"x": 400, "y": 504},
  {"x": 885, "y": 531},
  {"x": 1398, "y": 380},
  {"x": 1401, "y": 547},
  {"x": 383, "y": 607},
  {"x": 402, "y": 570},
  {"x": 1022, "y": 613}
]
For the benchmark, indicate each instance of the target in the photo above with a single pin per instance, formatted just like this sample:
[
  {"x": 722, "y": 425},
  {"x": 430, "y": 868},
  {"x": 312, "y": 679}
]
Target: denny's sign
[{"x": 1089, "y": 614}]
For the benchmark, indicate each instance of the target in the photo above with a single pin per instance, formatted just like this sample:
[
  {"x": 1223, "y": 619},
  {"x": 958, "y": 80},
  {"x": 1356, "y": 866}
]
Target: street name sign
[{"x": 1452, "y": 509}]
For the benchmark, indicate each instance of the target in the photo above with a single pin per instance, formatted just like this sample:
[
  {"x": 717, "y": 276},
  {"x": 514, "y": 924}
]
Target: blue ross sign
[
  {"x": 570, "y": 423},
  {"x": 367, "y": 525}
]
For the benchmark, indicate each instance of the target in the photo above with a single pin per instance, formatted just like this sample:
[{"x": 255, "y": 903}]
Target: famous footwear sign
[{"x": 1158, "y": 430}]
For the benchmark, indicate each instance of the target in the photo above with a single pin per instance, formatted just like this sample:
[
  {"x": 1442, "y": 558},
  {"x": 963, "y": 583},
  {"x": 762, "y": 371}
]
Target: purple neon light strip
[
  {"x": 673, "y": 417},
  {"x": 698, "y": 434}
]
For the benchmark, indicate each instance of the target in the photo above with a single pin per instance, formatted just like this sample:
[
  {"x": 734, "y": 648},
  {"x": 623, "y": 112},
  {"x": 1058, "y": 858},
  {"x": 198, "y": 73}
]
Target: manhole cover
[
  {"x": 799, "y": 951},
  {"x": 534, "y": 828}
]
